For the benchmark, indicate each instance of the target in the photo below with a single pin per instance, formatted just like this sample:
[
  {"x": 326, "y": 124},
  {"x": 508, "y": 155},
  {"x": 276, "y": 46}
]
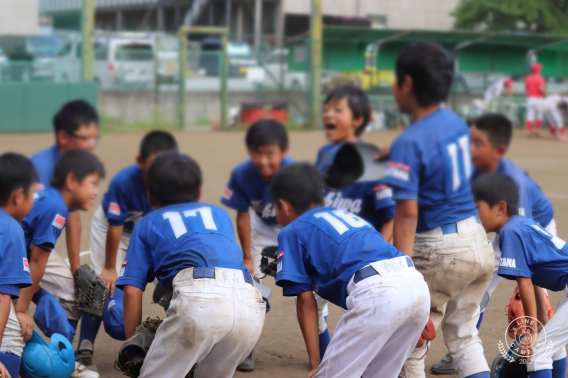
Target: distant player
[
  {"x": 534, "y": 258},
  {"x": 496, "y": 89},
  {"x": 346, "y": 114},
  {"x": 347, "y": 262},
  {"x": 490, "y": 139},
  {"x": 536, "y": 91},
  {"x": 18, "y": 179},
  {"x": 435, "y": 219},
  {"x": 216, "y": 315},
  {"x": 76, "y": 126},
  {"x": 124, "y": 204},
  {"x": 555, "y": 107},
  {"x": 73, "y": 186}
]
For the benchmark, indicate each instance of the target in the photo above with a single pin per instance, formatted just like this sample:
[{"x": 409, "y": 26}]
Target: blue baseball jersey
[
  {"x": 528, "y": 250},
  {"x": 44, "y": 223},
  {"x": 247, "y": 188},
  {"x": 178, "y": 237},
  {"x": 44, "y": 162},
  {"x": 125, "y": 202},
  {"x": 14, "y": 266},
  {"x": 371, "y": 201},
  {"x": 325, "y": 247},
  {"x": 542, "y": 210},
  {"x": 431, "y": 162}
]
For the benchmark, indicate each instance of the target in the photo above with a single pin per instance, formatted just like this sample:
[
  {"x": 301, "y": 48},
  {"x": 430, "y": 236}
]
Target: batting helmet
[{"x": 43, "y": 360}]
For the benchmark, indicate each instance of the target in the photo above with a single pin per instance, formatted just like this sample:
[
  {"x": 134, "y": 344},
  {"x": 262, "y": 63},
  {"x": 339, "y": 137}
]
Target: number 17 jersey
[
  {"x": 431, "y": 162},
  {"x": 176, "y": 237}
]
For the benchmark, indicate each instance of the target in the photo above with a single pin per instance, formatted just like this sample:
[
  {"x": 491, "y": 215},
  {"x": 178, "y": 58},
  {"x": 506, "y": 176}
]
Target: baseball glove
[
  {"x": 428, "y": 334},
  {"x": 268, "y": 263},
  {"x": 131, "y": 354},
  {"x": 515, "y": 310},
  {"x": 162, "y": 296},
  {"x": 90, "y": 291}
]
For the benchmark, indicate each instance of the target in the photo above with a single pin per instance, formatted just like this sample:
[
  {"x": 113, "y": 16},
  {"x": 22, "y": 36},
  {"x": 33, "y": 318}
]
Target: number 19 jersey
[
  {"x": 324, "y": 247},
  {"x": 431, "y": 162},
  {"x": 177, "y": 237}
]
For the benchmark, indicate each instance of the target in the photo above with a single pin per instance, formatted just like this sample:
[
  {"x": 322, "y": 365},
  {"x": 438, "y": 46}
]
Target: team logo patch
[
  {"x": 382, "y": 192},
  {"x": 125, "y": 263},
  {"x": 26, "y": 265},
  {"x": 114, "y": 208},
  {"x": 40, "y": 187},
  {"x": 280, "y": 255},
  {"x": 398, "y": 171},
  {"x": 279, "y": 267},
  {"x": 227, "y": 193},
  {"x": 378, "y": 188},
  {"x": 58, "y": 222}
]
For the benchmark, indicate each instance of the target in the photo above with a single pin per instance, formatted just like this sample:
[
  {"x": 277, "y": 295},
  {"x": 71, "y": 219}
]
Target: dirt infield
[{"x": 281, "y": 351}]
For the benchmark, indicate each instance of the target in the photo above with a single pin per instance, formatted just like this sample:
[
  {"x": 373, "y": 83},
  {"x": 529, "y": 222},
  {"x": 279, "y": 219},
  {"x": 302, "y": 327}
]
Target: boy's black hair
[
  {"x": 498, "y": 128},
  {"x": 265, "y": 132},
  {"x": 157, "y": 141},
  {"x": 495, "y": 187},
  {"x": 300, "y": 184},
  {"x": 73, "y": 115},
  {"x": 357, "y": 100},
  {"x": 16, "y": 171},
  {"x": 431, "y": 68},
  {"x": 174, "y": 178},
  {"x": 78, "y": 162}
]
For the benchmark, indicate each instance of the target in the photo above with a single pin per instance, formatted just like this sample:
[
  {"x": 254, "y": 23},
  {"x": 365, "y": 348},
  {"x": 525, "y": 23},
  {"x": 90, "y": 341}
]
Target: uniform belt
[
  {"x": 369, "y": 271},
  {"x": 210, "y": 273},
  {"x": 452, "y": 228}
]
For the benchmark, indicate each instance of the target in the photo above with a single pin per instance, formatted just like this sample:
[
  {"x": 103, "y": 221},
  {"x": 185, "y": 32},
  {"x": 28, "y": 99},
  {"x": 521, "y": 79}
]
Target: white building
[{"x": 19, "y": 17}]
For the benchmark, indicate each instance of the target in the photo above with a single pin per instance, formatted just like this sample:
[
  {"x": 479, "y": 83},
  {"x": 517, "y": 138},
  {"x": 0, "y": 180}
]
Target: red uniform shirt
[{"x": 533, "y": 84}]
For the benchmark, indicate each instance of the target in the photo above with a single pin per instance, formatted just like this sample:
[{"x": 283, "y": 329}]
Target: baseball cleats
[
  {"x": 444, "y": 366},
  {"x": 248, "y": 364},
  {"x": 84, "y": 367}
]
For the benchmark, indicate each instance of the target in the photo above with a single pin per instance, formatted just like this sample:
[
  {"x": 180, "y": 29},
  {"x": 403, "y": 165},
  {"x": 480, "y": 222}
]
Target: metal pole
[
  {"x": 88, "y": 24},
  {"x": 224, "y": 77},
  {"x": 181, "y": 84},
  {"x": 257, "y": 25},
  {"x": 228, "y": 4},
  {"x": 316, "y": 26}
]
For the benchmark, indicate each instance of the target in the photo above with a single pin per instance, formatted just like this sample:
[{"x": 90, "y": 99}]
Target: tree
[{"x": 538, "y": 16}]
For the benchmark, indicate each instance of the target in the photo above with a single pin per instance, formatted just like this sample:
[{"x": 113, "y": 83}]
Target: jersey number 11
[{"x": 178, "y": 226}]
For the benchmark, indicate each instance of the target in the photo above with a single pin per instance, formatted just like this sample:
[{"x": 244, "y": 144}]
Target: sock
[
  {"x": 483, "y": 374},
  {"x": 479, "y": 320},
  {"x": 559, "y": 368},
  {"x": 89, "y": 329},
  {"x": 537, "y": 124},
  {"x": 73, "y": 323},
  {"x": 529, "y": 126},
  {"x": 541, "y": 374},
  {"x": 551, "y": 129},
  {"x": 561, "y": 131},
  {"x": 324, "y": 340}
]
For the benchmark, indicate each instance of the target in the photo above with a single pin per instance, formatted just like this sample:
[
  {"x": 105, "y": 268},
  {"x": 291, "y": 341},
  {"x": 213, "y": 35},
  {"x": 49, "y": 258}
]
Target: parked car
[
  {"x": 124, "y": 61},
  {"x": 167, "y": 56},
  {"x": 275, "y": 65},
  {"x": 32, "y": 57},
  {"x": 239, "y": 54}
]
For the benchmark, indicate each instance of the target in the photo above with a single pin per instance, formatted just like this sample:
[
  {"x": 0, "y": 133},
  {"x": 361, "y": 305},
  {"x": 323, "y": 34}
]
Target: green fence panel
[{"x": 26, "y": 107}]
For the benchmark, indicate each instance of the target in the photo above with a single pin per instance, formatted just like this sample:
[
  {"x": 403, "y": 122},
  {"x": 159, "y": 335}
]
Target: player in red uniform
[{"x": 535, "y": 86}]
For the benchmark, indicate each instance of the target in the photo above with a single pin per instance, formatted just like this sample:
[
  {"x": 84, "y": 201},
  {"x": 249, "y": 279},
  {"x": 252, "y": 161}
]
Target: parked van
[{"x": 32, "y": 57}]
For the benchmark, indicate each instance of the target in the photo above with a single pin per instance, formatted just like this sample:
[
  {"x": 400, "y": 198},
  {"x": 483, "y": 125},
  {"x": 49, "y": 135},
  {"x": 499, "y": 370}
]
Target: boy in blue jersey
[
  {"x": 124, "y": 204},
  {"x": 73, "y": 186},
  {"x": 347, "y": 111},
  {"x": 491, "y": 136},
  {"x": 534, "y": 258},
  {"x": 216, "y": 315},
  {"x": 347, "y": 262},
  {"x": 18, "y": 179},
  {"x": 435, "y": 218}
]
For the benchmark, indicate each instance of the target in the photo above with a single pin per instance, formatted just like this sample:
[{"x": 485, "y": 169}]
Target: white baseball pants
[
  {"x": 385, "y": 316},
  {"x": 12, "y": 340},
  {"x": 457, "y": 268},
  {"x": 99, "y": 229},
  {"x": 214, "y": 323},
  {"x": 535, "y": 108},
  {"x": 58, "y": 281}
]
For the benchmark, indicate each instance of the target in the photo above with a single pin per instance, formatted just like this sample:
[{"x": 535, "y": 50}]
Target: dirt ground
[{"x": 281, "y": 351}]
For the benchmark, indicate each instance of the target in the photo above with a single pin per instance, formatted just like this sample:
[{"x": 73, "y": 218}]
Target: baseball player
[
  {"x": 73, "y": 186},
  {"x": 435, "y": 218},
  {"x": 346, "y": 114},
  {"x": 536, "y": 91},
  {"x": 249, "y": 187},
  {"x": 490, "y": 138},
  {"x": 18, "y": 179},
  {"x": 76, "y": 127},
  {"x": 534, "y": 258},
  {"x": 347, "y": 262},
  {"x": 216, "y": 315},
  {"x": 496, "y": 89},
  {"x": 555, "y": 106},
  {"x": 124, "y": 204}
]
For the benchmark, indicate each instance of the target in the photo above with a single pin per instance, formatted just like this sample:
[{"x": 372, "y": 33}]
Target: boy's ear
[
  {"x": 200, "y": 194},
  {"x": 501, "y": 150},
  {"x": 139, "y": 161},
  {"x": 62, "y": 137},
  {"x": 285, "y": 206},
  {"x": 151, "y": 199},
  {"x": 502, "y": 205},
  {"x": 358, "y": 121},
  {"x": 407, "y": 84},
  {"x": 285, "y": 151},
  {"x": 71, "y": 181},
  {"x": 17, "y": 196}
]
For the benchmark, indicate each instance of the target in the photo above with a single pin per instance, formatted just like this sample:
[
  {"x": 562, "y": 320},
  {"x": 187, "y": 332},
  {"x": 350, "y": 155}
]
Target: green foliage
[{"x": 538, "y": 16}]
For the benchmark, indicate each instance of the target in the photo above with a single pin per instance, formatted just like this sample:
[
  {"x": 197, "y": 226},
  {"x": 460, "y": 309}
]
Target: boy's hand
[
  {"x": 4, "y": 372},
  {"x": 527, "y": 344},
  {"x": 109, "y": 277},
  {"x": 311, "y": 373},
  {"x": 27, "y": 324},
  {"x": 247, "y": 261}
]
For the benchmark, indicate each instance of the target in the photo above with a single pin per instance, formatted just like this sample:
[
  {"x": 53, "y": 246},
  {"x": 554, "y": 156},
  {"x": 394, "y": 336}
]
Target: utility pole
[
  {"x": 87, "y": 26},
  {"x": 257, "y": 25},
  {"x": 314, "y": 102}
]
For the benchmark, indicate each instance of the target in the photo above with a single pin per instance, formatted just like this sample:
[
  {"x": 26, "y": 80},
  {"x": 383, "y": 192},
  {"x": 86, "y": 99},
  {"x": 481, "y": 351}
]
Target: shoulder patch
[
  {"x": 399, "y": 171},
  {"x": 58, "y": 222},
  {"x": 114, "y": 208},
  {"x": 227, "y": 193},
  {"x": 280, "y": 255},
  {"x": 26, "y": 265}
]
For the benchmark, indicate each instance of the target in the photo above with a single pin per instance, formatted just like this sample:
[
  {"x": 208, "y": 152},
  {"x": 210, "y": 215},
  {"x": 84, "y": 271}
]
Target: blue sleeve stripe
[
  {"x": 291, "y": 289},
  {"x": 11, "y": 290},
  {"x": 116, "y": 222},
  {"x": 402, "y": 194},
  {"x": 508, "y": 272},
  {"x": 289, "y": 277},
  {"x": 24, "y": 280}
]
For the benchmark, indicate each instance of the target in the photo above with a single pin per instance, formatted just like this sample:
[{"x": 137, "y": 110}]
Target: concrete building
[{"x": 19, "y": 17}]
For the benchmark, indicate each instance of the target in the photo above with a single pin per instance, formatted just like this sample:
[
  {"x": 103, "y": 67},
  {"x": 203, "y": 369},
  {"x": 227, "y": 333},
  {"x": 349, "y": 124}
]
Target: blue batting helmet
[{"x": 43, "y": 360}]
